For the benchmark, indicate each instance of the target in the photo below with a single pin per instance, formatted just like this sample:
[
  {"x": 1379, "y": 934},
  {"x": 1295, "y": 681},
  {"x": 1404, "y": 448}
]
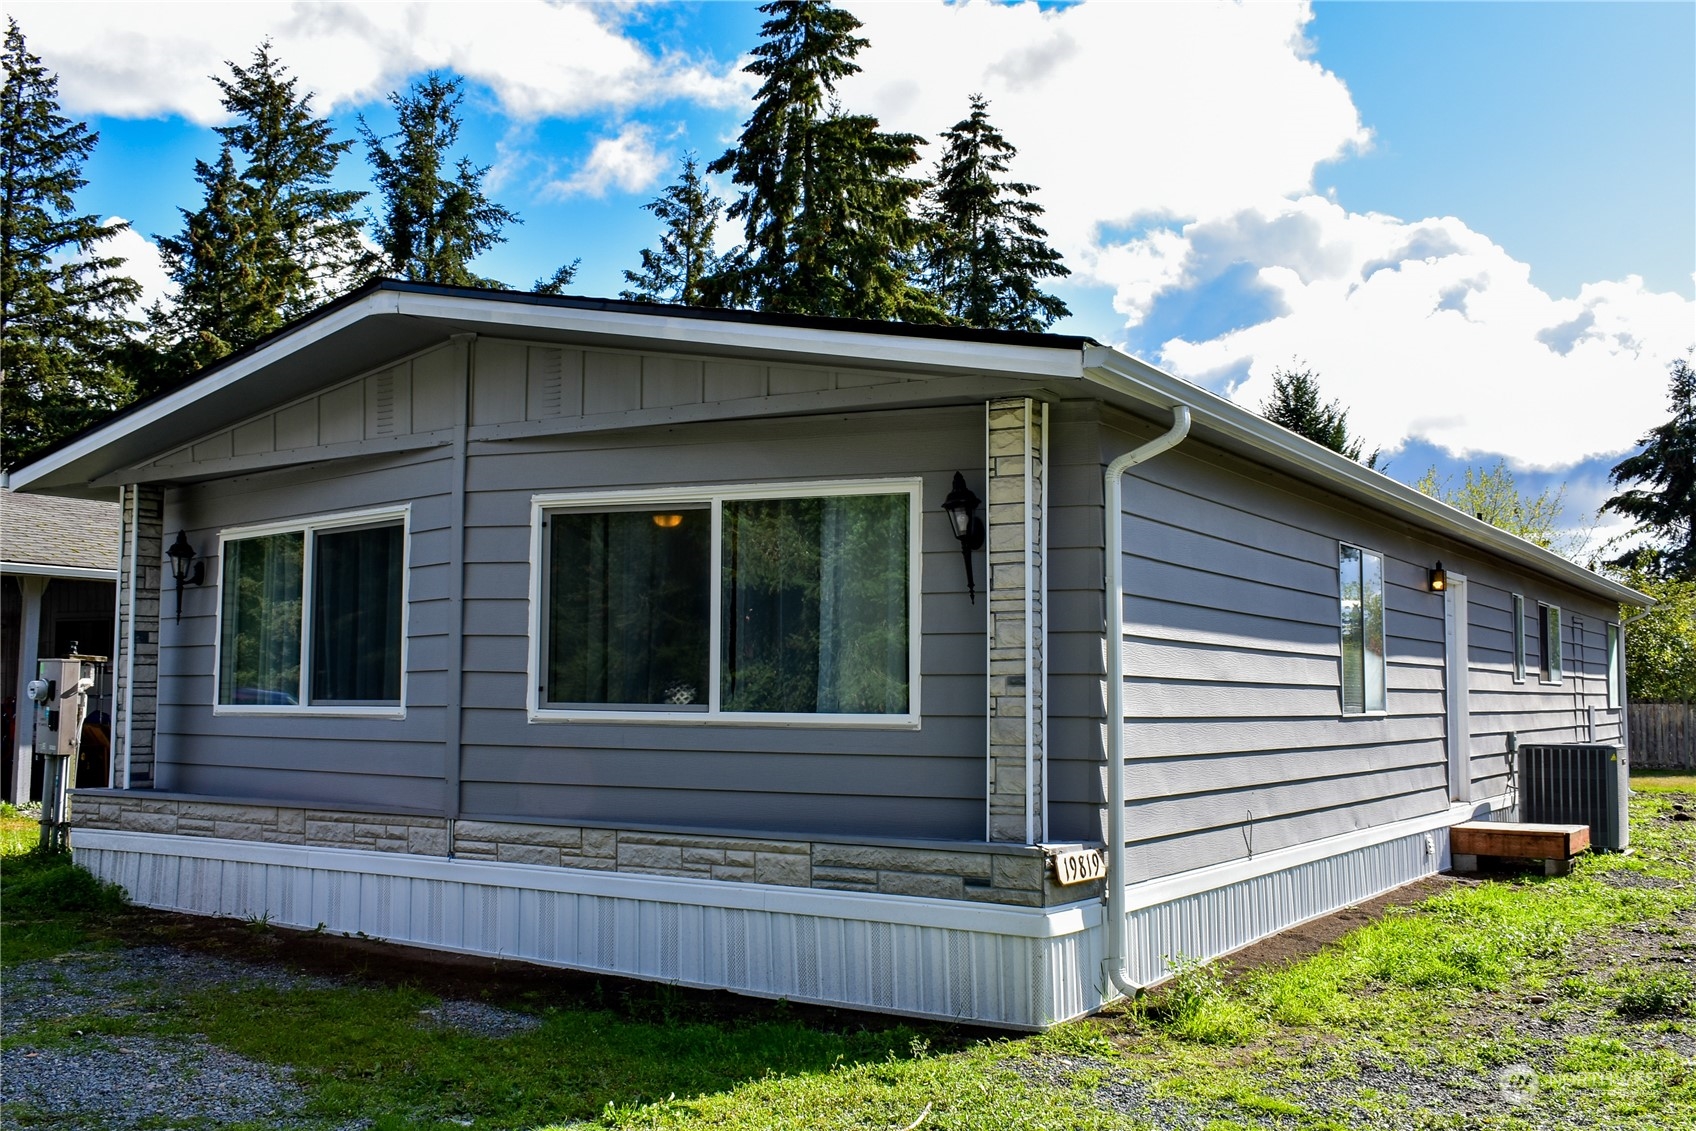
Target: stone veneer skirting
[{"x": 1012, "y": 875}]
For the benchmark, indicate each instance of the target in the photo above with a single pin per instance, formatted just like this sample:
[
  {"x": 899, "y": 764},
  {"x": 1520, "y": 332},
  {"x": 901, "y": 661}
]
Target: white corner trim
[
  {"x": 918, "y": 911},
  {"x": 1149, "y": 893}
]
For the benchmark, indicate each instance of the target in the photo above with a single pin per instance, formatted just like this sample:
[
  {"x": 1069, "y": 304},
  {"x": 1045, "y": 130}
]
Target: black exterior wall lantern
[
  {"x": 1439, "y": 579},
  {"x": 182, "y": 556},
  {"x": 962, "y": 508}
]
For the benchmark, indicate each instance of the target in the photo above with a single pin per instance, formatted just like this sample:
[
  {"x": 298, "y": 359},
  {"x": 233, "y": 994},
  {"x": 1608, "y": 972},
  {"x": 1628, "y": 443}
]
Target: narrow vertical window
[
  {"x": 1518, "y": 638},
  {"x": 1616, "y": 669},
  {"x": 261, "y": 597},
  {"x": 1549, "y": 643},
  {"x": 1361, "y": 593}
]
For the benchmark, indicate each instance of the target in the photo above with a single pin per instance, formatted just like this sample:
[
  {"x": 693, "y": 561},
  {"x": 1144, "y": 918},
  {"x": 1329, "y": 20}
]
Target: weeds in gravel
[{"x": 1656, "y": 993}]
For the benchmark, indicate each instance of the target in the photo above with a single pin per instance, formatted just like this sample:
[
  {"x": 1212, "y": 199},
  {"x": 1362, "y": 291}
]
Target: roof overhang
[
  {"x": 1138, "y": 385},
  {"x": 390, "y": 319},
  {"x": 58, "y": 572}
]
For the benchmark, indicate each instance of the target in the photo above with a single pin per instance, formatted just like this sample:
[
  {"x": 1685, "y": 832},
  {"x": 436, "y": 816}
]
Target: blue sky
[{"x": 1477, "y": 222}]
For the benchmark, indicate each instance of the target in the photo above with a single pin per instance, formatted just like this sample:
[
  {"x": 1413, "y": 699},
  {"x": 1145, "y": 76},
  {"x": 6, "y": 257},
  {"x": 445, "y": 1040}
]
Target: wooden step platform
[{"x": 1553, "y": 846}]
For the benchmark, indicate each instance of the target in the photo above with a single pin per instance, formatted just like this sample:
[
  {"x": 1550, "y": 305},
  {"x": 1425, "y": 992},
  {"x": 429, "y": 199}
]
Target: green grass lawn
[{"x": 1512, "y": 1003}]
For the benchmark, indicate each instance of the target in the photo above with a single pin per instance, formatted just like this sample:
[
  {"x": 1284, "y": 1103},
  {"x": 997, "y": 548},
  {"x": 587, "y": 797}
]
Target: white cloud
[
  {"x": 627, "y": 161},
  {"x": 1119, "y": 111},
  {"x": 539, "y": 59},
  {"x": 1173, "y": 143},
  {"x": 1426, "y": 329},
  {"x": 141, "y": 263}
]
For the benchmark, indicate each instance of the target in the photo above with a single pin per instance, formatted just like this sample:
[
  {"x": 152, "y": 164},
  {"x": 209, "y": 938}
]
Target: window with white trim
[
  {"x": 1616, "y": 668},
  {"x": 1518, "y": 638},
  {"x": 793, "y": 603},
  {"x": 1548, "y": 643},
  {"x": 1361, "y": 592},
  {"x": 311, "y": 615}
]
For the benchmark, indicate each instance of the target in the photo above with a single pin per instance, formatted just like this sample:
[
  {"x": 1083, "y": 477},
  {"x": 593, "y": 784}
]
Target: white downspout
[{"x": 1118, "y": 942}]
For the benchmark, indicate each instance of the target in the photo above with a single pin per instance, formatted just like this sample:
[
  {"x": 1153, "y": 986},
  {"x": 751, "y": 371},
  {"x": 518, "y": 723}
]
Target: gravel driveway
[{"x": 67, "y": 1079}]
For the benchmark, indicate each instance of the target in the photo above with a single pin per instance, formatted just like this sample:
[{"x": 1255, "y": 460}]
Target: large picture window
[
  {"x": 791, "y": 604},
  {"x": 310, "y": 616},
  {"x": 1362, "y": 607}
]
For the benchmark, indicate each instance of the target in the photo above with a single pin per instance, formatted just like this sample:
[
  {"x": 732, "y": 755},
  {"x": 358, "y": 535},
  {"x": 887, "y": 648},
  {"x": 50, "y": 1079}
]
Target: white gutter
[{"x": 1116, "y": 961}]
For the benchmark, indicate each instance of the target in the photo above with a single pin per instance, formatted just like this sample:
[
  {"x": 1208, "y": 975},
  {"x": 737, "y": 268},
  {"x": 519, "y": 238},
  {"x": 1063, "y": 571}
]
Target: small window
[
  {"x": 1616, "y": 669},
  {"x": 769, "y": 604},
  {"x": 1361, "y": 588},
  {"x": 311, "y": 616},
  {"x": 1518, "y": 638},
  {"x": 1548, "y": 643}
]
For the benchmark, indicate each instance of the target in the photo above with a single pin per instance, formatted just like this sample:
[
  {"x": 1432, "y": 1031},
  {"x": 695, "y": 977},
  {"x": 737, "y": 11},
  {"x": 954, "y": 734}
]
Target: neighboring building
[
  {"x": 636, "y": 639},
  {"x": 58, "y": 569}
]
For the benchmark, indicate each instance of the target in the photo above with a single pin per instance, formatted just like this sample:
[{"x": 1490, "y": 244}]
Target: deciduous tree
[
  {"x": 986, "y": 256},
  {"x": 1493, "y": 494},
  {"x": 63, "y": 304}
]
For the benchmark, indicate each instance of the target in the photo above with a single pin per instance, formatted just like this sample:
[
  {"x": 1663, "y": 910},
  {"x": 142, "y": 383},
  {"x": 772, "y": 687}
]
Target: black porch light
[
  {"x": 1439, "y": 579},
  {"x": 182, "y": 557},
  {"x": 962, "y": 508}
]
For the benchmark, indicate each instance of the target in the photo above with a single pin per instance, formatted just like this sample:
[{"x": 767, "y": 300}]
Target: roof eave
[{"x": 1128, "y": 377}]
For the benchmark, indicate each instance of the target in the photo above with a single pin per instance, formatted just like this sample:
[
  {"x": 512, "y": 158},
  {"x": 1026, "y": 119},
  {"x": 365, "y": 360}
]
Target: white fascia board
[
  {"x": 1129, "y": 377},
  {"x": 834, "y": 347},
  {"x": 378, "y": 302},
  {"x": 61, "y": 572}
]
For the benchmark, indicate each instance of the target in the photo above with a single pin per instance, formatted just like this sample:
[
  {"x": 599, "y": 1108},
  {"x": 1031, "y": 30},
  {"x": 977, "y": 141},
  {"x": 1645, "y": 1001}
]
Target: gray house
[{"x": 637, "y": 639}]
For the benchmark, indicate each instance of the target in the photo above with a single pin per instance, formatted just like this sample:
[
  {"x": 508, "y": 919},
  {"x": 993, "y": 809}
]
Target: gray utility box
[{"x": 1576, "y": 784}]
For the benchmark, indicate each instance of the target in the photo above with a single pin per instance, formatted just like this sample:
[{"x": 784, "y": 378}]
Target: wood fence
[{"x": 1663, "y": 735}]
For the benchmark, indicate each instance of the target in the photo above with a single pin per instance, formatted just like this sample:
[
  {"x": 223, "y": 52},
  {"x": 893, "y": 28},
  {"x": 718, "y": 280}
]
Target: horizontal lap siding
[
  {"x": 1531, "y": 711},
  {"x": 1235, "y": 737},
  {"x": 374, "y": 762},
  {"x": 923, "y": 783}
]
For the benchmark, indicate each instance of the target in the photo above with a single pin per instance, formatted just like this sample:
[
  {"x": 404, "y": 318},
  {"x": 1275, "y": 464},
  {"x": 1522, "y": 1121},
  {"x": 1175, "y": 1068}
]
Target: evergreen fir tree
[
  {"x": 1295, "y": 405},
  {"x": 433, "y": 223},
  {"x": 824, "y": 203},
  {"x": 62, "y": 304},
  {"x": 272, "y": 239},
  {"x": 1665, "y": 507},
  {"x": 685, "y": 260},
  {"x": 985, "y": 254},
  {"x": 556, "y": 283}
]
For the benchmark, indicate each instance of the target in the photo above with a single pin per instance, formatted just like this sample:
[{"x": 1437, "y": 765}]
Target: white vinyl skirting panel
[
  {"x": 1022, "y": 968},
  {"x": 1015, "y": 967}
]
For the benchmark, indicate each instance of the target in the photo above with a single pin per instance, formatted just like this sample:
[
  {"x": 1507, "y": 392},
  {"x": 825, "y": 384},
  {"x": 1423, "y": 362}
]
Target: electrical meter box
[{"x": 59, "y": 696}]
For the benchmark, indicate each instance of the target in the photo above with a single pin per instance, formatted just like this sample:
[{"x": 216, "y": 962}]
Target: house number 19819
[{"x": 1081, "y": 866}]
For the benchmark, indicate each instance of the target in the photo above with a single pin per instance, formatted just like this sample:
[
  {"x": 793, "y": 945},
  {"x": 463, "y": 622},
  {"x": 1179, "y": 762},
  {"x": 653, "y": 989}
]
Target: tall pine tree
[
  {"x": 1295, "y": 405},
  {"x": 684, "y": 260},
  {"x": 62, "y": 304},
  {"x": 825, "y": 203},
  {"x": 435, "y": 217},
  {"x": 985, "y": 256},
  {"x": 1664, "y": 506},
  {"x": 272, "y": 239}
]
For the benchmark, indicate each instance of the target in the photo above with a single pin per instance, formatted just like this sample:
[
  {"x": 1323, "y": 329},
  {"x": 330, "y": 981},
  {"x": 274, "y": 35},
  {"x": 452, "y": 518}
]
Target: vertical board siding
[
  {"x": 360, "y": 761},
  {"x": 918, "y": 783}
]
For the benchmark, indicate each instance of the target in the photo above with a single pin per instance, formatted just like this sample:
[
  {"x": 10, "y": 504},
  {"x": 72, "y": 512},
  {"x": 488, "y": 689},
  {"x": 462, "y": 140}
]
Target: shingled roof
[{"x": 46, "y": 531}]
